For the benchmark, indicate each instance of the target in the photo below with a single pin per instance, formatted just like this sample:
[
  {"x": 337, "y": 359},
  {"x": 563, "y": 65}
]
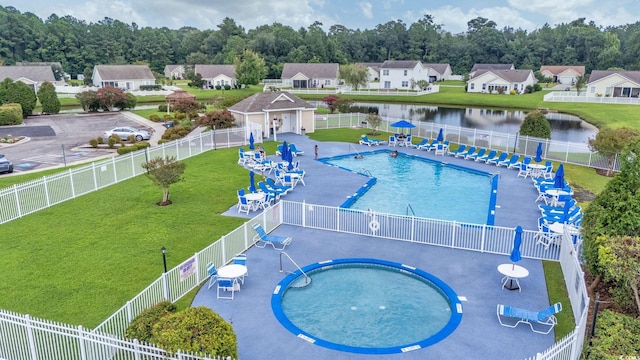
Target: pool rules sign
[{"x": 187, "y": 268}]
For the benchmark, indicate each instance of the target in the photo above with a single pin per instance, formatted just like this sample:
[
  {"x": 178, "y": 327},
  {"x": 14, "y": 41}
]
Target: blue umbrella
[
  {"x": 440, "y": 136},
  {"x": 290, "y": 160},
  {"x": 251, "y": 141},
  {"x": 252, "y": 182},
  {"x": 517, "y": 241},
  {"x": 403, "y": 124},
  {"x": 559, "y": 179},
  {"x": 285, "y": 150},
  {"x": 538, "y": 157}
]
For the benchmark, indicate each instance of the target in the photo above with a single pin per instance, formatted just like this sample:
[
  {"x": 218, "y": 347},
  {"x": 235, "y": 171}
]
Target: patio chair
[
  {"x": 546, "y": 317},
  {"x": 461, "y": 148},
  {"x": 545, "y": 236},
  {"x": 279, "y": 150},
  {"x": 392, "y": 141},
  {"x": 502, "y": 157},
  {"x": 547, "y": 173},
  {"x": 245, "y": 206},
  {"x": 491, "y": 155},
  {"x": 240, "y": 193},
  {"x": 470, "y": 150},
  {"x": 242, "y": 159},
  {"x": 241, "y": 259},
  {"x": 508, "y": 162},
  {"x": 524, "y": 170},
  {"x": 294, "y": 150},
  {"x": 213, "y": 274},
  {"x": 439, "y": 149},
  {"x": 227, "y": 285},
  {"x": 516, "y": 165},
  {"x": 474, "y": 156},
  {"x": 422, "y": 143},
  {"x": 262, "y": 239}
]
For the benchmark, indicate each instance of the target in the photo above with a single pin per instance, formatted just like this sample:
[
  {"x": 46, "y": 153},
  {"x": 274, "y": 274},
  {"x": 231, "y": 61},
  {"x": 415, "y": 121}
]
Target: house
[
  {"x": 303, "y": 76},
  {"x": 176, "y": 72},
  {"x": 438, "y": 72},
  {"x": 126, "y": 77},
  {"x": 562, "y": 74},
  {"x": 276, "y": 112},
  {"x": 373, "y": 71},
  {"x": 402, "y": 74},
  {"x": 490, "y": 81},
  {"x": 477, "y": 67},
  {"x": 613, "y": 83},
  {"x": 33, "y": 76},
  {"x": 217, "y": 75}
]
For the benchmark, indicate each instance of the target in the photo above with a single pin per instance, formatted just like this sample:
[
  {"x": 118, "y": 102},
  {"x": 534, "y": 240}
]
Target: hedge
[{"x": 10, "y": 114}]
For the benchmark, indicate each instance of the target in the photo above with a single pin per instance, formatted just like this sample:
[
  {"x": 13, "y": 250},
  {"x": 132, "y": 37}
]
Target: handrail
[
  {"x": 410, "y": 208},
  {"x": 366, "y": 172},
  {"x": 307, "y": 278}
]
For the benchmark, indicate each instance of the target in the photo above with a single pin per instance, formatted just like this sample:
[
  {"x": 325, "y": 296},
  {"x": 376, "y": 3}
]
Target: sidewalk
[{"x": 157, "y": 129}]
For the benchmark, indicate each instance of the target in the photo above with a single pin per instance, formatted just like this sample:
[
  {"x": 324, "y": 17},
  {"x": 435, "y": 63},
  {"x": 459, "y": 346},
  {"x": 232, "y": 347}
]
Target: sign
[{"x": 187, "y": 268}]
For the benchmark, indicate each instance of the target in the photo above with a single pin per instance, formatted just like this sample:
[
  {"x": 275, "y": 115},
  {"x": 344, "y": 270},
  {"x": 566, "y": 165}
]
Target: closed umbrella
[
  {"x": 290, "y": 160},
  {"x": 440, "y": 137},
  {"x": 251, "y": 147},
  {"x": 285, "y": 150},
  {"x": 517, "y": 241},
  {"x": 559, "y": 179},
  {"x": 538, "y": 157},
  {"x": 252, "y": 182}
]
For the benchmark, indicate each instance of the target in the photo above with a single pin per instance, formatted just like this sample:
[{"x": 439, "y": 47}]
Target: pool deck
[{"x": 471, "y": 275}]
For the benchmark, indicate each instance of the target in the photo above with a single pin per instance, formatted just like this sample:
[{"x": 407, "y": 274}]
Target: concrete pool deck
[{"x": 472, "y": 275}]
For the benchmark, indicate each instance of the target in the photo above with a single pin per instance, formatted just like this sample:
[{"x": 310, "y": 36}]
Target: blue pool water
[
  {"x": 367, "y": 306},
  {"x": 432, "y": 189}
]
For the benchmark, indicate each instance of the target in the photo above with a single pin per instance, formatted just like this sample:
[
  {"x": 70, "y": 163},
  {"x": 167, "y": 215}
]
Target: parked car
[
  {"x": 125, "y": 131},
  {"x": 6, "y": 166}
]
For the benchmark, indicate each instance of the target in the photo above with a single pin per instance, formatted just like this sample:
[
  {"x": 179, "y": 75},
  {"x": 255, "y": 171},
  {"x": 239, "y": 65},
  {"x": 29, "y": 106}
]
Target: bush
[
  {"x": 227, "y": 87},
  {"x": 513, "y": 92},
  {"x": 100, "y": 140},
  {"x": 162, "y": 108},
  {"x": 10, "y": 114},
  {"x": 142, "y": 325},
  {"x": 536, "y": 124},
  {"x": 181, "y": 116},
  {"x": 93, "y": 143},
  {"x": 135, "y": 147},
  {"x": 154, "y": 118},
  {"x": 616, "y": 335},
  {"x": 150, "y": 87},
  {"x": 176, "y": 132},
  {"x": 218, "y": 87},
  {"x": 113, "y": 140}
]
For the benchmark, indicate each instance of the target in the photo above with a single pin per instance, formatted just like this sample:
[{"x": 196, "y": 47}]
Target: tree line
[{"x": 79, "y": 45}]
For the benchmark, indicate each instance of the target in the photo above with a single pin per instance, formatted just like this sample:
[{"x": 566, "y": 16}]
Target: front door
[{"x": 288, "y": 125}]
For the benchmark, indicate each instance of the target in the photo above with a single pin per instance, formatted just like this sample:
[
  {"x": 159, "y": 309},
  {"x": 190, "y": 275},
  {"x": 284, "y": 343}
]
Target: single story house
[
  {"x": 438, "y": 72},
  {"x": 175, "y": 71},
  {"x": 613, "y": 83},
  {"x": 215, "y": 75},
  {"x": 304, "y": 76},
  {"x": 126, "y": 77},
  {"x": 276, "y": 112},
  {"x": 489, "y": 81},
  {"x": 477, "y": 67},
  {"x": 402, "y": 74},
  {"x": 563, "y": 74},
  {"x": 33, "y": 76}
]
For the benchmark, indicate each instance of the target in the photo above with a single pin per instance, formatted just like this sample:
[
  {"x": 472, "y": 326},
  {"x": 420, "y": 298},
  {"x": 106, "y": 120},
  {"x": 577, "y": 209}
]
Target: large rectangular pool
[{"x": 412, "y": 185}]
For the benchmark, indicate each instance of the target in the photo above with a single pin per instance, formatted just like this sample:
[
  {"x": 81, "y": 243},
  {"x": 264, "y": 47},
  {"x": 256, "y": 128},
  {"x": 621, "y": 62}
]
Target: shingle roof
[
  {"x": 557, "y": 69},
  {"x": 512, "y": 76},
  {"x": 312, "y": 71},
  {"x": 124, "y": 72},
  {"x": 399, "y": 64},
  {"x": 172, "y": 67},
  {"x": 374, "y": 66},
  {"x": 599, "y": 74},
  {"x": 260, "y": 102},
  {"x": 34, "y": 73},
  {"x": 211, "y": 71},
  {"x": 477, "y": 67},
  {"x": 439, "y": 68}
]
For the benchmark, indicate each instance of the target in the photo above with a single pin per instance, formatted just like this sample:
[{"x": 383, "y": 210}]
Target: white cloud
[
  {"x": 367, "y": 9},
  {"x": 455, "y": 19},
  {"x": 549, "y": 7}
]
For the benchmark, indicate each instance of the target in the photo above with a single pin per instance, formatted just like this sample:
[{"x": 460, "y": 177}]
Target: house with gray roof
[
  {"x": 175, "y": 71},
  {"x": 304, "y": 76},
  {"x": 126, "y": 77},
  {"x": 32, "y": 75},
  {"x": 563, "y": 74},
  {"x": 477, "y": 67},
  {"x": 276, "y": 112},
  {"x": 438, "y": 72},
  {"x": 613, "y": 83},
  {"x": 217, "y": 75},
  {"x": 491, "y": 81},
  {"x": 402, "y": 74}
]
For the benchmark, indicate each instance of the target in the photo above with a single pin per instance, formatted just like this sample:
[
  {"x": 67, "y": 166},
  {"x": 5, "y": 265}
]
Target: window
[
  {"x": 473, "y": 86},
  {"x": 385, "y": 72},
  {"x": 405, "y": 84},
  {"x": 405, "y": 73},
  {"x": 592, "y": 89},
  {"x": 484, "y": 87},
  {"x": 387, "y": 84},
  {"x": 607, "y": 91},
  {"x": 327, "y": 82}
]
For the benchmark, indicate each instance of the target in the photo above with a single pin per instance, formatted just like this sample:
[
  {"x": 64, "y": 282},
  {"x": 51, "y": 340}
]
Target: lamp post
[{"x": 164, "y": 258}]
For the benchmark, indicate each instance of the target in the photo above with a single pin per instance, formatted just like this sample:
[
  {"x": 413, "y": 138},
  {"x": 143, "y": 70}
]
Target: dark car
[{"x": 6, "y": 166}]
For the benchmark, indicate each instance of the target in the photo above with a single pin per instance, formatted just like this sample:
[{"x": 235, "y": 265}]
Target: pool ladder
[
  {"x": 295, "y": 284},
  {"x": 365, "y": 172},
  {"x": 410, "y": 208}
]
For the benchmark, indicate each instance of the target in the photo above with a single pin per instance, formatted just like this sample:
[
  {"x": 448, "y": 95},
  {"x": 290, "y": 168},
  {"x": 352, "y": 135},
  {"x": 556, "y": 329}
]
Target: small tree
[
  {"x": 48, "y": 98},
  {"x": 186, "y": 106},
  {"x": 196, "y": 82},
  {"x": 221, "y": 119},
  {"x": 109, "y": 96},
  {"x": 620, "y": 259},
  {"x": 164, "y": 173},
  {"x": 250, "y": 68},
  {"x": 344, "y": 105},
  {"x": 355, "y": 75},
  {"x": 610, "y": 142},
  {"x": 536, "y": 124},
  {"x": 129, "y": 102},
  {"x": 331, "y": 102},
  {"x": 88, "y": 100},
  {"x": 580, "y": 82},
  {"x": 374, "y": 120}
]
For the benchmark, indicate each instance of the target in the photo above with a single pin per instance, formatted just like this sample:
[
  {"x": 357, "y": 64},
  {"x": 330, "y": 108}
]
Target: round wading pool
[{"x": 366, "y": 306}]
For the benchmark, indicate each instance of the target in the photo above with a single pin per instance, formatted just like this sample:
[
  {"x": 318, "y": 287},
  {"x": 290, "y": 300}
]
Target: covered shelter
[{"x": 178, "y": 95}]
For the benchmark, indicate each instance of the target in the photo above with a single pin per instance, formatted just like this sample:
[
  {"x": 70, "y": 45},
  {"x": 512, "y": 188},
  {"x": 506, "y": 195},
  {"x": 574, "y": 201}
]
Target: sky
[{"x": 453, "y": 15}]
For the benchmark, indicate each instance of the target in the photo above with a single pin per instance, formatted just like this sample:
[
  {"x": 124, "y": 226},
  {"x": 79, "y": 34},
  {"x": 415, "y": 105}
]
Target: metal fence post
[
  {"x": 32, "y": 341},
  {"x": 83, "y": 351}
]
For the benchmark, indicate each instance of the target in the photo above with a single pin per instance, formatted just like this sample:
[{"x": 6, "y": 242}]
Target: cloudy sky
[{"x": 354, "y": 14}]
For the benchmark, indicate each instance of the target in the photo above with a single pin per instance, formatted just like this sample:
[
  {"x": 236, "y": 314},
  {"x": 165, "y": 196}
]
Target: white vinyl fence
[
  {"x": 26, "y": 198},
  {"x": 562, "y": 151},
  {"x": 572, "y": 96}
]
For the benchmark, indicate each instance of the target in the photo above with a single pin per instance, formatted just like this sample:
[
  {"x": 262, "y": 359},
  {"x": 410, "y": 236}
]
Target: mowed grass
[{"x": 81, "y": 260}]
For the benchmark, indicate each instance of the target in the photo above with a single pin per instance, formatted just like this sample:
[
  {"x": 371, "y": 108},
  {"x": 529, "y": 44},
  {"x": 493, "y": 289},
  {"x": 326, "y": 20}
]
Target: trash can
[{"x": 303, "y": 130}]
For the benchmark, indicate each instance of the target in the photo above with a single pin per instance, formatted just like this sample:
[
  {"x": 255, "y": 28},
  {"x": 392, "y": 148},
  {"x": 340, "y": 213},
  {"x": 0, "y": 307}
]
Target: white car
[
  {"x": 5, "y": 165},
  {"x": 125, "y": 131}
]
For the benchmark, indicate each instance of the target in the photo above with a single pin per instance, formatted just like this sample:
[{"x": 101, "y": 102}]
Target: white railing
[
  {"x": 572, "y": 96},
  {"x": 26, "y": 198},
  {"x": 562, "y": 151}
]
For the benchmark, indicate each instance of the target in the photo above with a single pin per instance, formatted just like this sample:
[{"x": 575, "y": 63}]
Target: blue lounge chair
[
  {"x": 294, "y": 151},
  {"x": 496, "y": 160},
  {"x": 474, "y": 156},
  {"x": 428, "y": 146},
  {"x": 279, "y": 151},
  {"x": 424, "y": 142},
  {"x": 268, "y": 190},
  {"x": 273, "y": 185},
  {"x": 517, "y": 165},
  {"x": 491, "y": 155},
  {"x": 277, "y": 242},
  {"x": 213, "y": 274},
  {"x": 461, "y": 148},
  {"x": 470, "y": 150},
  {"x": 365, "y": 140},
  {"x": 512, "y": 160},
  {"x": 545, "y": 317}
]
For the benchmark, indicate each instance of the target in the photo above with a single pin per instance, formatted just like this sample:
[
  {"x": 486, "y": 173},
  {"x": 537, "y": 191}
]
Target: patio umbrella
[
  {"x": 538, "y": 157},
  {"x": 285, "y": 150},
  {"x": 252, "y": 182},
  {"x": 404, "y": 124},
  {"x": 440, "y": 137},
  {"x": 559, "y": 179},
  {"x": 290, "y": 160},
  {"x": 251, "y": 147},
  {"x": 517, "y": 241}
]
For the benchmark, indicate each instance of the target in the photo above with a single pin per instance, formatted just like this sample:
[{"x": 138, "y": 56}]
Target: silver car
[
  {"x": 6, "y": 166},
  {"x": 125, "y": 131}
]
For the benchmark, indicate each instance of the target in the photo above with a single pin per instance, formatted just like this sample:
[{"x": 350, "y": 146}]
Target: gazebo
[{"x": 178, "y": 95}]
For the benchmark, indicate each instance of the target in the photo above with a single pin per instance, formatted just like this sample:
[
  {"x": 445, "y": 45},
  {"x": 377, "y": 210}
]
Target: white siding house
[
  {"x": 438, "y": 72},
  {"x": 477, "y": 67},
  {"x": 488, "y": 81},
  {"x": 217, "y": 75},
  {"x": 175, "y": 71},
  {"x": 563, "y": 74},
  {"x": 126, "y": 77},
  {"x": 402, "y": 74},
  {"x": 613, "y": 83},
  {"x": 303, "y": 76}
]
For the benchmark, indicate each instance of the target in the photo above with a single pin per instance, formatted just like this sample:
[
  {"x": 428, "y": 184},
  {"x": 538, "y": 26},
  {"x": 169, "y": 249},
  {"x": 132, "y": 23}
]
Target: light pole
[{"x": 164, "y": 258}]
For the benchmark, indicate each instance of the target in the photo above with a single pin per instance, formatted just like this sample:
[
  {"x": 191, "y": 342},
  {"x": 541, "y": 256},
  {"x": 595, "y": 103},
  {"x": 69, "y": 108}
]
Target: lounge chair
[
  {"x": 512, "y": 160},
  {"x": 546, "y": 317},
  {"x": 461, "y": 148},
  {"x": 492, "y": 154},
  {"x": 428, "y": 146},
  {"x": 213, "y": 274},
  {"x": 500, "y": 158},
  {"x": 474, "y": 156},
  {"x": 424, "y": 142},
  {"x": 269, "y": 190},
  {"x": 516, "y": 165},
  {"x": 294, "y": 151},
  {"x": 262, "y": 239},
  {"x": 470, "y": 150},
  {"x": 274, "y": 185},
  {"x": 279, "y": 151},
  {"x": 365, "y": 140}
]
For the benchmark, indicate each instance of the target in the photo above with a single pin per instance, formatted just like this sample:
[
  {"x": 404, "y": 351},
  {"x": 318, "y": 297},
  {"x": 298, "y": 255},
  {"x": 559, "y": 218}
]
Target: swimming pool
[
  {"x": 412, "y": 185},
  {"x": 367, "y": 306}
]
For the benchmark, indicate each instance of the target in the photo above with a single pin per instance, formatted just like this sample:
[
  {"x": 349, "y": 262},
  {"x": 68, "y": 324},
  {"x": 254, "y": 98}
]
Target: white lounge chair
[{"x": 546, "y": 317}]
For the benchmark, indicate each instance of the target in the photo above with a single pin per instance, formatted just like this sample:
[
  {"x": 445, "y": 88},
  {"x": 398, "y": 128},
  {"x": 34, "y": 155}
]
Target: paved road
[{"x": 56, "y": 140}]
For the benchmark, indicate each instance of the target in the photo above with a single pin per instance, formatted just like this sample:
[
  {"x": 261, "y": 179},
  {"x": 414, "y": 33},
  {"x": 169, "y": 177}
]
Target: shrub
[
  {"x": 536, "y": 124},
  {"x": 181, "y": 116},
  {"x": 218, "y": 87},
  {"x": 167, "y": 117},
  {"x": 100, "y": 140},
  {"x": 131, "y": 138},
  {"x": 227, "y": 87},
  {"x": 10, "y": 114},
  {"x": 134, "y": 147},
  {"x": 616, "y": 335},
  {"x": 93, "y": 143},
  {"x": 162, "y": 108},
  {"x": 154, "y": 118},
  {"x": 113, "y": 140},
  {"x": 176, "y": 132},
  {"x": 150, "y": 87},
  {"x": 142, "y": 325},
  {"x": 513, "y": 92},
  {"x": 537, "y": 87}
]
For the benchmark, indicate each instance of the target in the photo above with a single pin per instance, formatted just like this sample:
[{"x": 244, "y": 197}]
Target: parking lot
[{"x": 59, "y": 140}]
